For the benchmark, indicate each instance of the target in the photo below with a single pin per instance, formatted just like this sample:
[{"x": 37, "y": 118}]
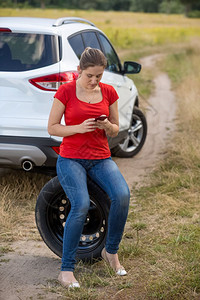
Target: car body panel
[
  {"x": 24, "y": 109},
  {"x": 127, "y": 95}
]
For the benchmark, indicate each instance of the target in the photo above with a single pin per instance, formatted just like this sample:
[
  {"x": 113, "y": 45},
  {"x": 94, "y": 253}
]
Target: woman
[{"x": 84, "y": 150}]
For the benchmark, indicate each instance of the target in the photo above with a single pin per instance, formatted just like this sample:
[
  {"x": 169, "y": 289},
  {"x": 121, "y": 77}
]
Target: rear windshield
[{"x": 24, "y": 51}]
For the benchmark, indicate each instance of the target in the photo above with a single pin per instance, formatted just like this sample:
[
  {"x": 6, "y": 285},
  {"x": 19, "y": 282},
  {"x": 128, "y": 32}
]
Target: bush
[
  {"x": 194, "y": 14},
  {"x": 172, "y": 7}
]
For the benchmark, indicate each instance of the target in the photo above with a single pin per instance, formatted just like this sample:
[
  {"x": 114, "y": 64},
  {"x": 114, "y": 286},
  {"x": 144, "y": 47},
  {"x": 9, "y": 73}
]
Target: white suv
[{"x": 36, "y": 57}]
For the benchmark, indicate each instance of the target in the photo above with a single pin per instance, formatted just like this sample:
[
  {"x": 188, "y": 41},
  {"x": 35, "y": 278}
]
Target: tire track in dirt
[{"x": 27, "y": 272}]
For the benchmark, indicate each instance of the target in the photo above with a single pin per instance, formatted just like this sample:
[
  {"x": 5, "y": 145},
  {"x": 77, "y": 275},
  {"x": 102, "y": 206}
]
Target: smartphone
[{"x": 101, "y": 118}]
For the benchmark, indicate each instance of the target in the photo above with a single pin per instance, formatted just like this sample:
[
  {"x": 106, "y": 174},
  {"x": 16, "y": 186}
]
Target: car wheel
[
  {"x": 52, "y": 209},
  {"x": 136, "y": 136}
]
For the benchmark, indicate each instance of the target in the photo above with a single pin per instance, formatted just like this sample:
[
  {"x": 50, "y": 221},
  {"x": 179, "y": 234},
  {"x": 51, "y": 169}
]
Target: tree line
[{"x": 149, "y": 6}]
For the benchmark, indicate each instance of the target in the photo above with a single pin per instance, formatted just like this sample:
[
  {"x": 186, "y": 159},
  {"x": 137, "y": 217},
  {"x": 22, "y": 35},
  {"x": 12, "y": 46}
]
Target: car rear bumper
[{"x": 27, "y": 152}]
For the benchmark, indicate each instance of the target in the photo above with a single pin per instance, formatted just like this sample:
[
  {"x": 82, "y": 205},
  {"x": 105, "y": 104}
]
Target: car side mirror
[{"x": 131, "y": 67}]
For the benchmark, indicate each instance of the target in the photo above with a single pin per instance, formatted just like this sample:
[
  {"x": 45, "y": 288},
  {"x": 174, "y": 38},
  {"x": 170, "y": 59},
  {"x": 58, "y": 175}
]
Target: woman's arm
[
  {"x": 111, "y": 125},
  {"x": 56, "y": 128}
]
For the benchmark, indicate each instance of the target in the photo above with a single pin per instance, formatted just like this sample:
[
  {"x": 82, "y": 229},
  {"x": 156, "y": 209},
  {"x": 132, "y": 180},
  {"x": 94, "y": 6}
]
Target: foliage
[
  {"x": 194, "y": 14},
  {"x": 145, "y": 5},
  {"x": 190, "y": 5},
  {"x": 171, "y": 7}
]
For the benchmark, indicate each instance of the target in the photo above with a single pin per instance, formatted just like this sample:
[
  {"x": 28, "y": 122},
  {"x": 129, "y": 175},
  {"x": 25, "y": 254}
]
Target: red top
[{"x": 89, "y": 145}]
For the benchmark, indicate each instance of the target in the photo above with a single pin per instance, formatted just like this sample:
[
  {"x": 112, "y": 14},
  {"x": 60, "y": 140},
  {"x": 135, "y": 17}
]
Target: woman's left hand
[
  {"x": 105, "y": 124},
  {"x": 110, "y": 128},
  {"x": 111, "y": 125}
]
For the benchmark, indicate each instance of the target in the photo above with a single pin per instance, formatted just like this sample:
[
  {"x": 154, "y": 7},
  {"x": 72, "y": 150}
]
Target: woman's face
[{"x": 91, "y": 76}]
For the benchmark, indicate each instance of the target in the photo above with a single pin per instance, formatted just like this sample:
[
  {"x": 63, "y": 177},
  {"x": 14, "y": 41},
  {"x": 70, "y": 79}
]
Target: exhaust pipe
[{"x": 27, "y": 165}]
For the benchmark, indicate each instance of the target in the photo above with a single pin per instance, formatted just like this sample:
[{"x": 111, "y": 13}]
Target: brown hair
[{"x": 92, "y": 57}]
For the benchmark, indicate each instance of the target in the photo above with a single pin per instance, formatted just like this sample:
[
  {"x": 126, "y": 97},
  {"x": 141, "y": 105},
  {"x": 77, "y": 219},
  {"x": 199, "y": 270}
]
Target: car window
[
  {"x": 77, "y": 45},
  {"x": 113, "y": 60},
  {"x": 90, "y": 40},
  {"x": 83, "y": 40},
  {"x": 23, "y": 51}
]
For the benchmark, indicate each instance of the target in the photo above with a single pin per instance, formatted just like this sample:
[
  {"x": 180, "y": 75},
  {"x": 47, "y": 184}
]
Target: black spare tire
[{"x": 52, "y": 209}]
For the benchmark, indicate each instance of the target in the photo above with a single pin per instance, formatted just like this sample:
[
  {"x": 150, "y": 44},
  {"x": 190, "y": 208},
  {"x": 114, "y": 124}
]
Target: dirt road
[
  {"x": 161, "y": 113},
  {"x": 26, "y": 272}
]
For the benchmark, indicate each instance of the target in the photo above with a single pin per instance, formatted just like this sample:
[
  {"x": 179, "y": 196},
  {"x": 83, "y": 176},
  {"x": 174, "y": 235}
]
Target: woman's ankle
[
  {"x": 67, "y": 276},
  {"x": 113, "y": 259}
]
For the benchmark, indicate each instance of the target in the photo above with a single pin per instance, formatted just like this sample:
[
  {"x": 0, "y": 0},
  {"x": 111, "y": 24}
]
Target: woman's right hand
[{"x": 87, "y": 126}]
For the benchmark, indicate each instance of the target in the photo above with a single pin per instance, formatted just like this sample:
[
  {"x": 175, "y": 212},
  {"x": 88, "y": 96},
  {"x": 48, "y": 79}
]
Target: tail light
[
  {"x": 53, "y": 81},
  {"x": 3, "y": 29}
]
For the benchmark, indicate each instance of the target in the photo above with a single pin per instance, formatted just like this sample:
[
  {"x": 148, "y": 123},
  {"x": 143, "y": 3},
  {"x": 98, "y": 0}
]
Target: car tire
[
  {"x": 136, "y": 136},
  {"x": 52, "y": 209}
]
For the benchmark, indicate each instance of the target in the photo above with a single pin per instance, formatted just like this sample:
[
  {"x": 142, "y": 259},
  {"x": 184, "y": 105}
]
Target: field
[
  {"x": 138, "y": 31},
  {"x": 161, "y": 244}
]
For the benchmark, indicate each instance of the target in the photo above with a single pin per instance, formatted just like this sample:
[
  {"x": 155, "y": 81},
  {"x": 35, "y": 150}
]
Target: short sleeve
[
  {"x": 113, "y": 96},
  {"x": 62, "y": 94},
  {"x": 109, "y": 92}
]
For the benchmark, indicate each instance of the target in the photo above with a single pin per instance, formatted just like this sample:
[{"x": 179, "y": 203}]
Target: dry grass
[{"x": 18, "y": 194}]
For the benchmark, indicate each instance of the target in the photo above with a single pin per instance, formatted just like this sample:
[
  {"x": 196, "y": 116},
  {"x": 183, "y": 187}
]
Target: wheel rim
[
  {"x": 94, "y": 227},
  {"x": 135, "y": 134}
]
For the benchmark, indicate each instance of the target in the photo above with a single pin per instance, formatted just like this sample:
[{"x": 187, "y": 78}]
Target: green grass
[{"x": 5, "y": 249}]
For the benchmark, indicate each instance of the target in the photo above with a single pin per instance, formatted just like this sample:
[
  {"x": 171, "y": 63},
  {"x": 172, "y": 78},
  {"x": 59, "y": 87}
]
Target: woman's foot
[
  {"x": 67, "y": 279},
  {"x": 113, "y": 261}
]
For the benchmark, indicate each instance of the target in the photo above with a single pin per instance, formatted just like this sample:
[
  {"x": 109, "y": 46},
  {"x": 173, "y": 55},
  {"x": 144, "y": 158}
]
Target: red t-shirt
[{"x": 89, "y": 145}]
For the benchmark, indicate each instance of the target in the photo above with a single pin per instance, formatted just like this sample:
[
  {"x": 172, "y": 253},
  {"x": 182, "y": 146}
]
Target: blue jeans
[{"x": 72, "y": 174}]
